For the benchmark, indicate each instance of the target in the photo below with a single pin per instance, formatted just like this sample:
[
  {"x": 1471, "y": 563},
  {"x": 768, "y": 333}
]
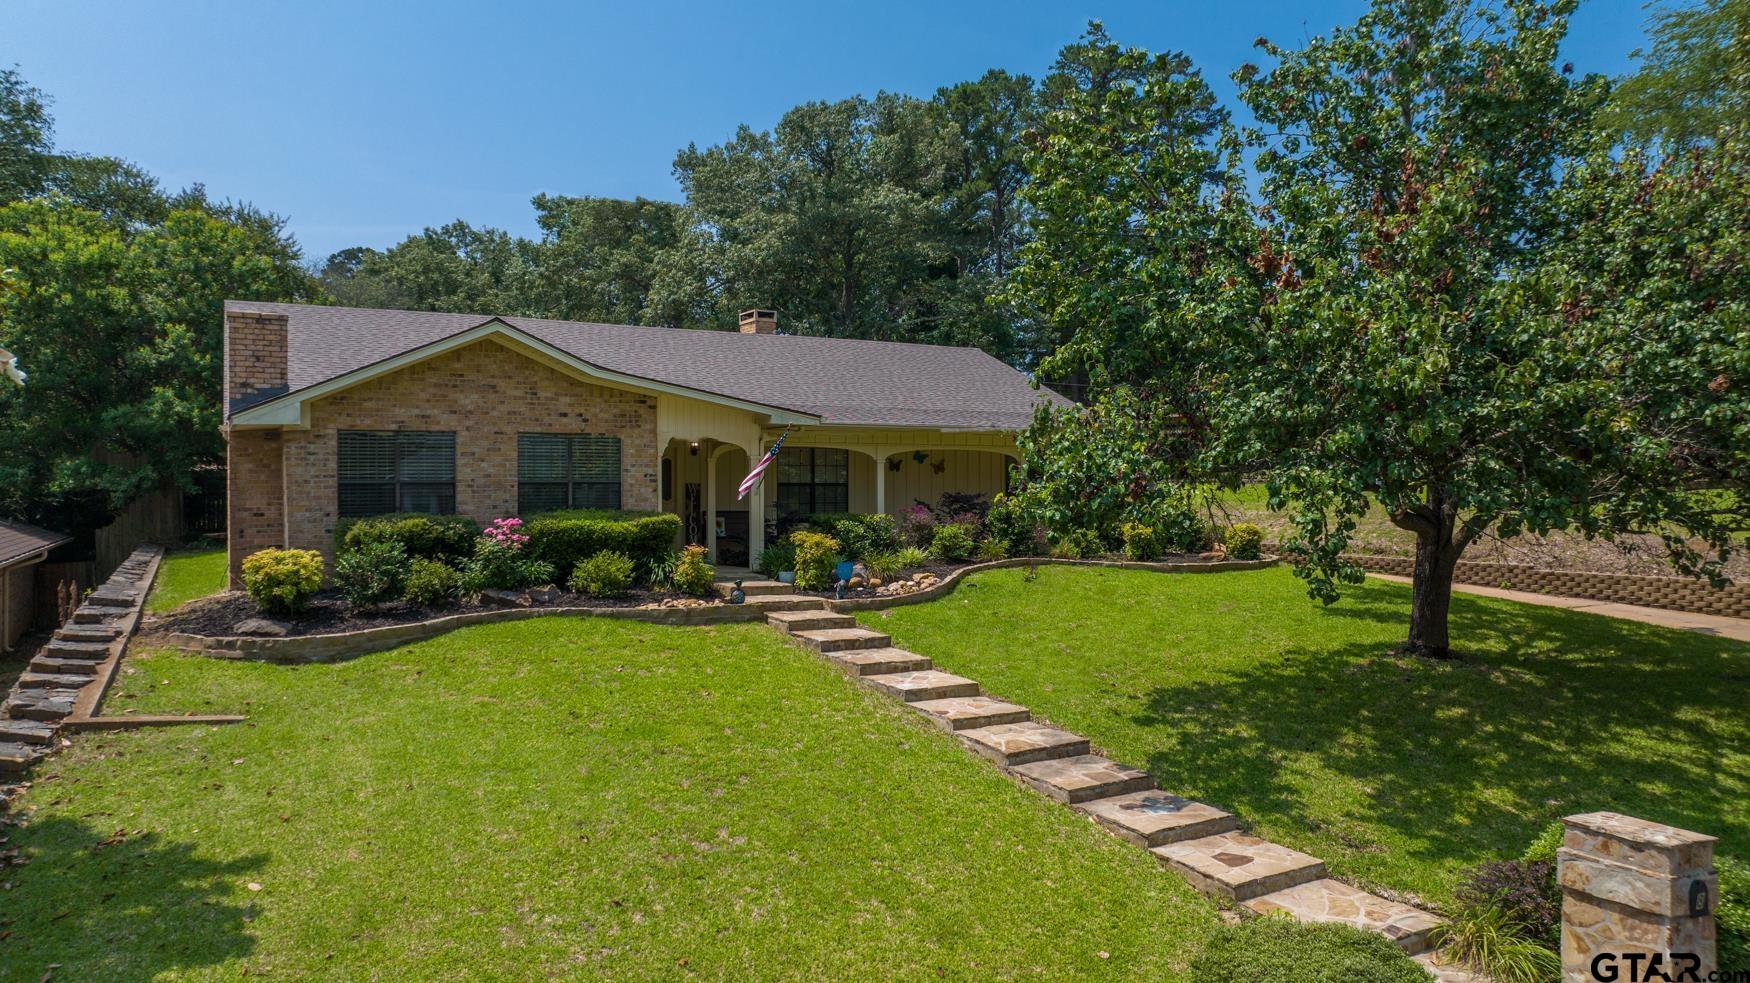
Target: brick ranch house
[{"x": 333, "y": 412}]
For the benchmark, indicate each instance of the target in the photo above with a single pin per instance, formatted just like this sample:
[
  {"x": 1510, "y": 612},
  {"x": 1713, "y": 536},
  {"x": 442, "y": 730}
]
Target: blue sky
[{"x": 364, "y": 122}]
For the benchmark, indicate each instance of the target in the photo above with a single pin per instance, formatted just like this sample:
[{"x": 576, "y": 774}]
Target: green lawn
[
  {"x": 185, "y": 576},
  {"x": 562, "y": 798},
  {"x": 1237, "y": 689}
]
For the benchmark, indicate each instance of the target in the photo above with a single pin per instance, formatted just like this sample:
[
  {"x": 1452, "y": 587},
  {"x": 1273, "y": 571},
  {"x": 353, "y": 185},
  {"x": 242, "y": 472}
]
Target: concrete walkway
[{"x": 1704, "y": 624}]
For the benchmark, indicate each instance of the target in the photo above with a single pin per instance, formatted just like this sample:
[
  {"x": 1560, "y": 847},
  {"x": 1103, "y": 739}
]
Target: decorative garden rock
[{"x": 262, "y": 627}]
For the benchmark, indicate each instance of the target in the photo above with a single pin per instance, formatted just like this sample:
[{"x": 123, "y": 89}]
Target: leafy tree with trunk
[
  {"x": 1404, "y": 318},
  {"x": 454, "y": 267},
  {"x": 597, "y": 258}
]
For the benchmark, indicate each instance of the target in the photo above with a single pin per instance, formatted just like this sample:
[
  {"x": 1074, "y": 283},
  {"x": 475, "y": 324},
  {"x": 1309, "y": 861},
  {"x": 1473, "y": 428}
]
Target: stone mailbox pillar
[{"x": 1638, "y": 900}]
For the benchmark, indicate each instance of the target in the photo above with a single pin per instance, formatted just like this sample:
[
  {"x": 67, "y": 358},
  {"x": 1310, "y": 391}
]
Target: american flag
[{"x": 759, "y": 469}]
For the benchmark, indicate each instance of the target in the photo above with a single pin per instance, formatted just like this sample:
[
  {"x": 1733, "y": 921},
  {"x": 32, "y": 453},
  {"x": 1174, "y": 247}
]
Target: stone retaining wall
[
  {"x": 1671, "y": 593},
  {"x": 952, "y": 581},
  {"x": 339, "y": 646}
]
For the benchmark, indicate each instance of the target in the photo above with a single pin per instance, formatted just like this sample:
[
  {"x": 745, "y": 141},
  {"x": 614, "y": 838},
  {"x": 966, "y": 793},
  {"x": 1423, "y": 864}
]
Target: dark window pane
[
  {"x": 596, "y": 459},
  {"x": 366, "y": 499},
  {"x": 596, "y": 495},
  {"x": 534, "y": 498},
  {"x": 391, "y": 471},
  {"x": 367, "y": 456},
  {"x": 542, "y": 457}
]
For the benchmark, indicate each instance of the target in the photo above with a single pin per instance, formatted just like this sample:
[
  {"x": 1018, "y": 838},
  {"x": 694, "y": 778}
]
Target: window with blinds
[
  {"x": 567, "y": 471},
  {"x": 382, "y": 471},
  {"x": 813, "y": 479}
]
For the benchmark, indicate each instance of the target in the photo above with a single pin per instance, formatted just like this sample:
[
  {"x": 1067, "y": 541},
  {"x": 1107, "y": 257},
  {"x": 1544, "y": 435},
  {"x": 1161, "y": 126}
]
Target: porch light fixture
[{"x": 693, "y": 448}]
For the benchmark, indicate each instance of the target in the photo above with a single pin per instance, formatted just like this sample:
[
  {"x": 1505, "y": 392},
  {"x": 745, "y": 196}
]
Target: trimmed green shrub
[
  {"x": 816, "y": 556},
  {"x": 1544, "y": 848},
  {"x": 1278, "y": 950},
  {"x": 606, "y": 574},
  {"x": 371, "y": 574},
  {"x": 1732, "y": 916},
  {"x": 776, "y": 558},
  {"x": 1245, "y": 541},
  {"x": 953, "y": 543},
  {"x": 434, "y": 537},
  {"x": 281, "y": 581},
  {"x": 1179, "y": 527},
  {"x": 432, "y": 583},
  {"x": 503, "y": 565},
  {"x": 860, "y": 535},
  {"x": 565, "y": 539},
  {"x": 693, "y": 575},
  {"x": 1139, "y": 541},
  {"x": 1016, "y": 524}
]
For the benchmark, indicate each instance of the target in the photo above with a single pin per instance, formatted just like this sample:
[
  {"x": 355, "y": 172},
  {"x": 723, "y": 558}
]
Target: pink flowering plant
[
  {"x": 508, "y": 531},
  {"x": 499, "y": 561}
]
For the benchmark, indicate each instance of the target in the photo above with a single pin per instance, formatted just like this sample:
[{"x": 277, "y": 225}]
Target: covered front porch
[{"x": 819, "y": 469}]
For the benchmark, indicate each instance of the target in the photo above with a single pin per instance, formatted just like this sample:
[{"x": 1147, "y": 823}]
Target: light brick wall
[
  {"x": 485, "y": 393},
  {"x": 255, "y": 355},
  {"x": 254, "y": 496}
]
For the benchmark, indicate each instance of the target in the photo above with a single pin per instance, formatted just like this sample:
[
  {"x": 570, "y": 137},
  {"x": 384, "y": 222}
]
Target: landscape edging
[
  {"x": 339, "y": 646},
  {"x": 947, "y": 584}
]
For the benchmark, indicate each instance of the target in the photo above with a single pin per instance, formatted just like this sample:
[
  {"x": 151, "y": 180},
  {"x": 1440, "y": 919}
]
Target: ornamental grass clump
[
  {"x": 816, "y": 556},
  {"x": 282, "y": 581}
]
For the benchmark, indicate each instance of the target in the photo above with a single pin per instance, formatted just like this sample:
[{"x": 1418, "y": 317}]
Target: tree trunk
[{"x": 1431, "y": 596}]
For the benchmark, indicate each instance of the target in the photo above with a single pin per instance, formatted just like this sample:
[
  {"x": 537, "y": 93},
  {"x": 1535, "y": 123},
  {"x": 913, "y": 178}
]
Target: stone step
[
  {"x": 878, "y": 662},
  {"x": 1024, "y": 743},
  {"x": 1084, "y": 777},
  {"x": 1328, "y": 900},
  {"x": 40, "y": 704},
  {"x": 113, "y": 597},
  {"x": 1152, "y": 818},
  {"x": 926, "y": 684},
  {"x": 26, "y": 732},
  {"x": 46, "y": 680},
  {"x": 76, "y": 650},
  {"x": 791, "y": 622},
  {"x": 86, "y": 615},
  {"x": 101, "y": 635},
  {"x": 839, "y": 639},
  {"x": 1239, "y": 867},
  {"x": 16, "y": 758},
  {"x": 786, "y": 602},
  {"x": 754, "y": 588},
  {"x": 73, "y": 667},
  {"x": 966, "y": 712},
  {"x": 1446, "y": 972}
]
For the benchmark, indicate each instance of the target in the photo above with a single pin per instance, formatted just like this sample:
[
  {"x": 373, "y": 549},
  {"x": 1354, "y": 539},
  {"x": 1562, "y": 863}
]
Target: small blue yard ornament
[{"x": 736, "y": 594}]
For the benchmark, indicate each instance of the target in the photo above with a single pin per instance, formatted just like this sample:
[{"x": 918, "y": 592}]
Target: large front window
[
  {"x": 567, "y": 471},
  {"x": 382, "y": 471},
  {"x": 813, "y": 479}
]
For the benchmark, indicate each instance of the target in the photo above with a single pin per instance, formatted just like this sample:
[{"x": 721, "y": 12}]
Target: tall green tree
[
  {"x": 1693, "y": 81},
  {"x": 454, "y": 267},
  {"x": 597, "y": 258},
  {"x": 1403, "y": 318}
]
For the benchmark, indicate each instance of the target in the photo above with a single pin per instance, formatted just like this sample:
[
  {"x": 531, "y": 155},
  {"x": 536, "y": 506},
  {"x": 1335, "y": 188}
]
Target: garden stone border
[
  {"x": 340, "y": 646},
  {"x": 947, "y": 584}
]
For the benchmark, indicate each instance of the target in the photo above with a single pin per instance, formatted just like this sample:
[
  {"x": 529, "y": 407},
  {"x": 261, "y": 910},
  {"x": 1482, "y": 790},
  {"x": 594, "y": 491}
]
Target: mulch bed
[{"x": 329, "y": 613}]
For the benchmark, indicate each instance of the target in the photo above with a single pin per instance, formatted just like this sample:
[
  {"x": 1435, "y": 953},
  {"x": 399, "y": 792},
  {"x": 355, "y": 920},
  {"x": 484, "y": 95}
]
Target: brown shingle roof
[
  {"x": 18, "y": 540},
  {"x": 842, "y": 380}
]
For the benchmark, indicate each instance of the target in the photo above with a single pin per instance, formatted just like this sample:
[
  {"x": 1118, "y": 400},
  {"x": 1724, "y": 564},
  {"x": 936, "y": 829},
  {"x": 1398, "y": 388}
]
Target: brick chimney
[
  {"x": 255, "y": 357},
  {"x": 759, "y": 322}
]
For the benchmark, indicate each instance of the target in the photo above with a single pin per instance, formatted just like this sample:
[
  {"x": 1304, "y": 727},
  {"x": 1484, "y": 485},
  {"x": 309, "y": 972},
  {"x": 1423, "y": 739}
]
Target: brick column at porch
[{"x": 1636, "y": 896}]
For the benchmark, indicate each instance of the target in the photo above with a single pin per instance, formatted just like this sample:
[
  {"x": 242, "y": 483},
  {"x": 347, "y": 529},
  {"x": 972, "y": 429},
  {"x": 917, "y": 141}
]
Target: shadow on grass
[
  {"x": 1563, "y": 712},
  {"x": 113, "y": 905}
]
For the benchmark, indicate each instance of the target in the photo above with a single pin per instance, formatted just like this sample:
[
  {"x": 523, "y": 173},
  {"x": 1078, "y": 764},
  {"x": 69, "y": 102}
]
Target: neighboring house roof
[
  {"x": 18, "y": 541},
  {"x": 842, "y": 381}
]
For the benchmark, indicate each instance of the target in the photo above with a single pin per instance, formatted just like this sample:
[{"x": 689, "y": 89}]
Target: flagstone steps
[
  {"x": 85, "y": 615},
  {"x": 26, "y": 732},
  {"x": 786, "y": 602},
  {"x": 75, "y": 667},
  {"x": 44, "y": 680},
  {"x": 1200, "y": 842},
  {"x": 1153, "y": 818},
  {"x": 1083, "y": 777},
  {"x": 790, "y": 622},
  {"x": 755, "y": 588},
  {"x": 927, "y": 684},
  {"x": 1024, "y": 743},
  {"x": 59, "y": 649},
  {"x": 839, "y": 639},
  {"x": 1329, "y": 900},
  {"x": 113, "y": 597},
  {"x": 878, "y": 662},
  {"x": 40, "y": 704},
  {"x": 966, "y": 712},
  {"x": 101, "y": 635},
  {"x": 1238, "y": 866},
  {"x": 17, "y": 758}
]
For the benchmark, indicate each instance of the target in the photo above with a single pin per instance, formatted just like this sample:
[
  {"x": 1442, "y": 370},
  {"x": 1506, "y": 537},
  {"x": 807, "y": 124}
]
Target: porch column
[
  {"x": 711, "y": 502},
  {"x": 880, "y": 480},
  {"x": 756, "y": 506}
]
